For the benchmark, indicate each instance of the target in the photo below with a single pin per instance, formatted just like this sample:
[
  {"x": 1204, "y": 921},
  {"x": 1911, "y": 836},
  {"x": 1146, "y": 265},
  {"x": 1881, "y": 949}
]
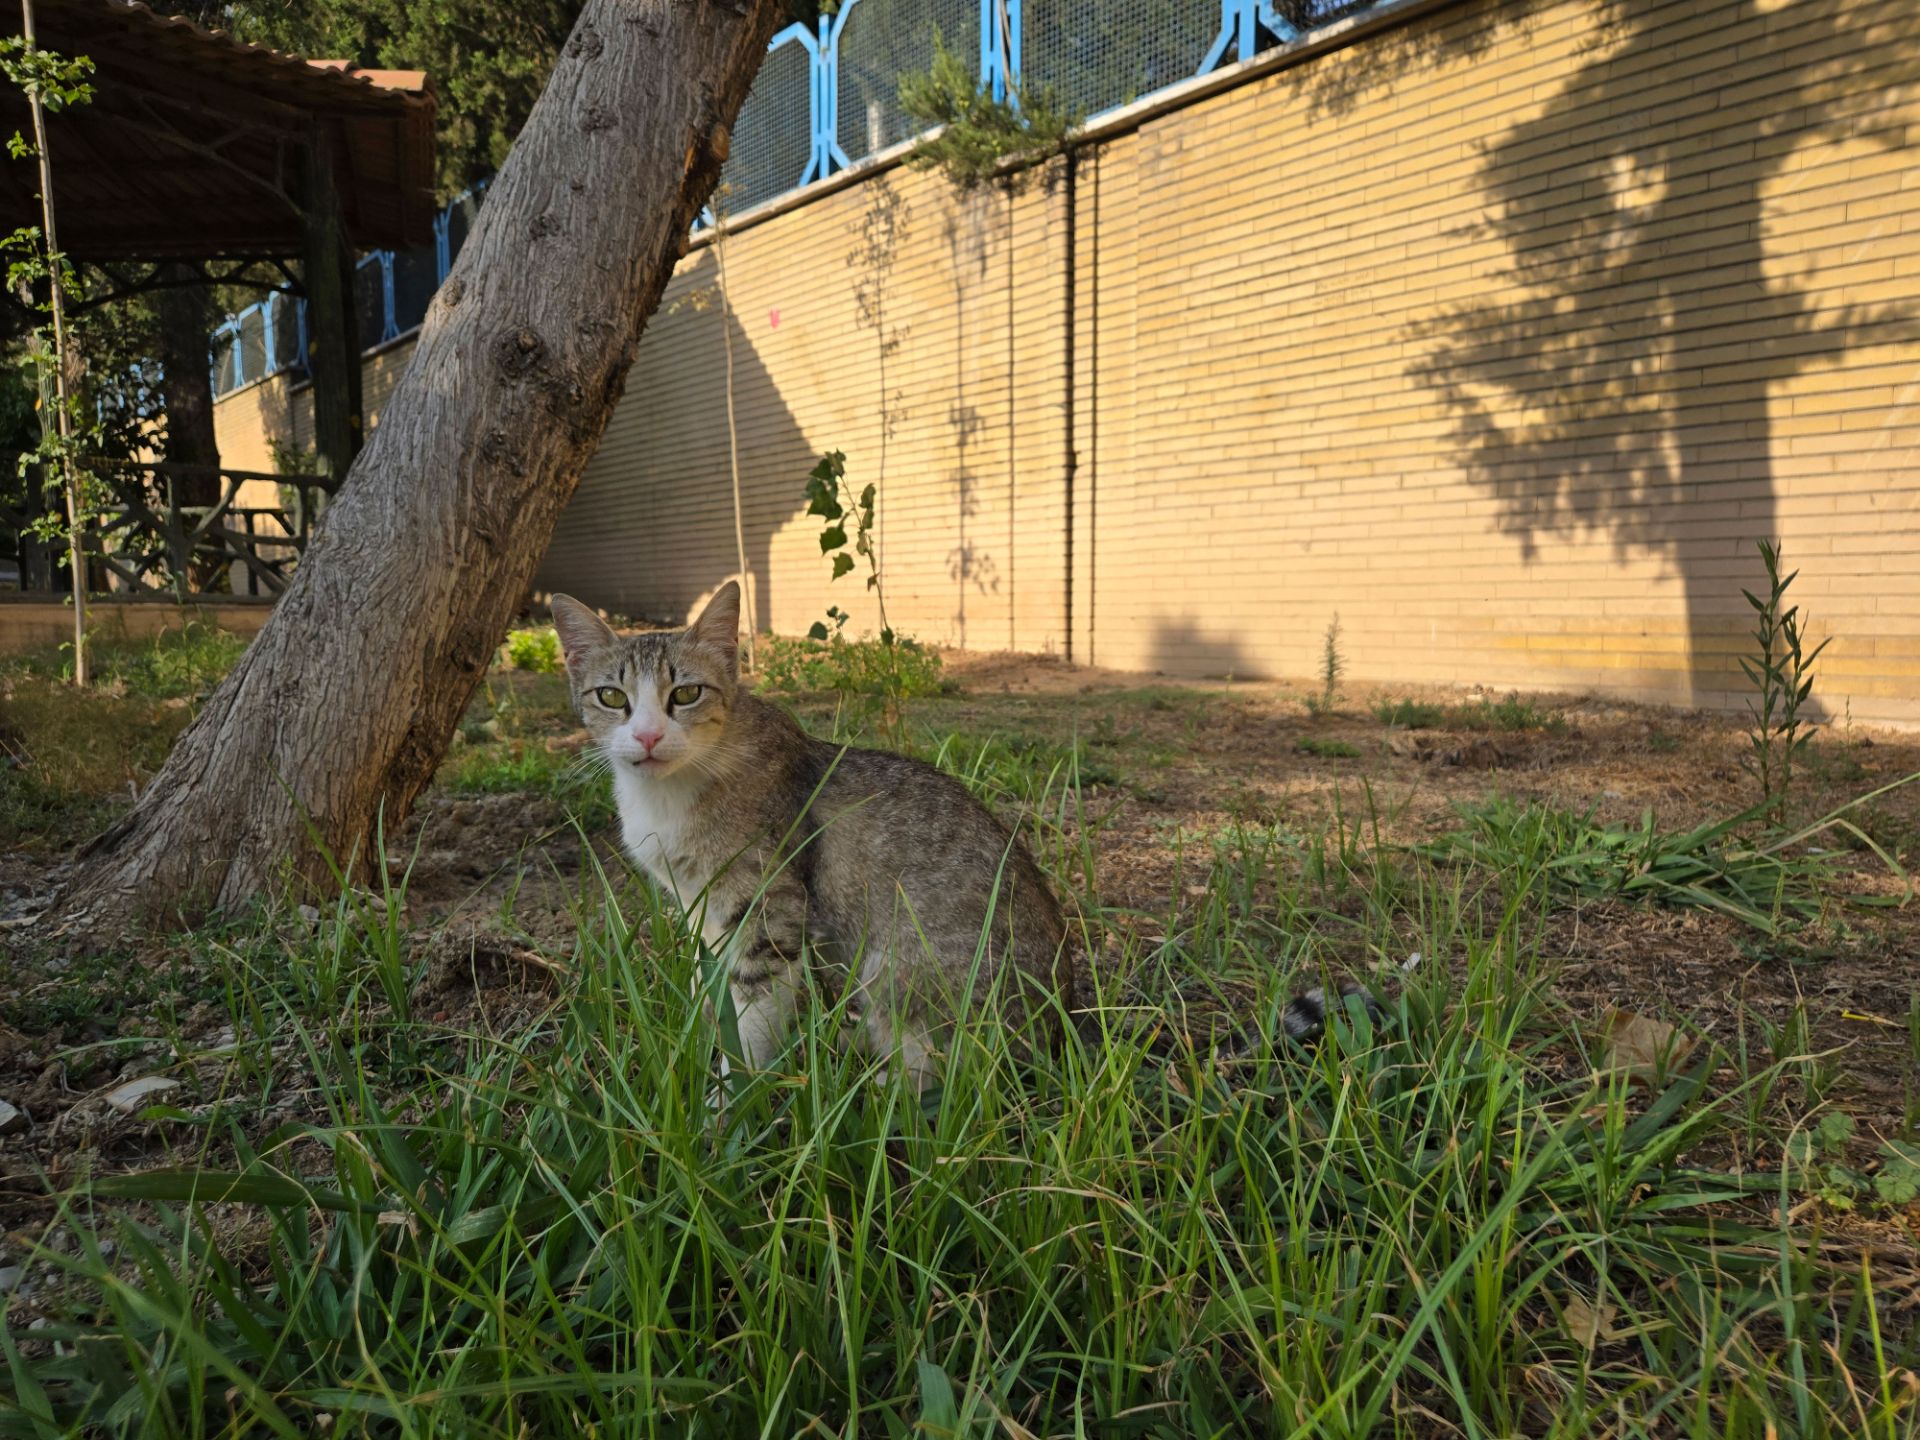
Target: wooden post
[{"x": 333, "y": 341}]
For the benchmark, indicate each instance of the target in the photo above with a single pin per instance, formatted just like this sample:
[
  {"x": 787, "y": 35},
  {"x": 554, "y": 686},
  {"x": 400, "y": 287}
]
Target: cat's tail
[{"x": 1304, "y": 1017}]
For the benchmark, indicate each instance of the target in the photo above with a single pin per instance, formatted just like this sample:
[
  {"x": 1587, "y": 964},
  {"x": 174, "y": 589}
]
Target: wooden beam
[{"x": 333, "y": 343}]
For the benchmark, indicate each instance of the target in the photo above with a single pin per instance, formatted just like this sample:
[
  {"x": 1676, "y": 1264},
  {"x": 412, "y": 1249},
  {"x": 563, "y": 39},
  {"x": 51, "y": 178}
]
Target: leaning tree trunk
[{"x": 347, "y": 699}]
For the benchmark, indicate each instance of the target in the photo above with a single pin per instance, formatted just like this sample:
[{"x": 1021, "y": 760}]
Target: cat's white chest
[{"x": 655, "y": 818}]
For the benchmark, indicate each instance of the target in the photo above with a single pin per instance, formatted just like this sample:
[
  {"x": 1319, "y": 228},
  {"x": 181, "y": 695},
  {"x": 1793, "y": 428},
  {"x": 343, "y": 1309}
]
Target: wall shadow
[
  {"x": 967, "y": 230},
  {"x": 1182, "y": 647},
  {"x": 650, "y": 532},
  {"x": 1625, "y": 391}
]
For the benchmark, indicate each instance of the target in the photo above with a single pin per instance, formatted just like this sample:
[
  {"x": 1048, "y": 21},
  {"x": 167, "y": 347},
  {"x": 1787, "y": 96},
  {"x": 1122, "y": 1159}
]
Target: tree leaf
[
  {"x": 832, "y": 538},
  {"x": 1587, "y": 1324},
  {"x": 842, "y": 564},
  {"x": 817, "y": 631},
  {"x": 1641, "y": 1047}
]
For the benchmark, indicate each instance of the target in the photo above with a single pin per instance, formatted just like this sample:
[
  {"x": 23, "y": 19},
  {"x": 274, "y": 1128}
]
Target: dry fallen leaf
[
  {"x": 1643, "y": 1047},
  {"x": 1588, "y": 1324}
]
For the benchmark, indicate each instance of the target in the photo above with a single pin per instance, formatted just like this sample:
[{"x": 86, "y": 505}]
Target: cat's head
[{"x": 655, "y": 704}]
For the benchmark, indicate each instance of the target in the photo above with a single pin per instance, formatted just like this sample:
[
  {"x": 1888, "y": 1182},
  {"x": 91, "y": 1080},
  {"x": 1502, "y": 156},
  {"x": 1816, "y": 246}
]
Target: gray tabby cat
[
  {"x": 877, "y": 868},
  {"x": 873, "y": 867}
]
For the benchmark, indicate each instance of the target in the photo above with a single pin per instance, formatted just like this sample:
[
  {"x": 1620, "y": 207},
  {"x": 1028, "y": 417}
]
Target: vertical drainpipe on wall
[{"x": 1072, "y": 453}]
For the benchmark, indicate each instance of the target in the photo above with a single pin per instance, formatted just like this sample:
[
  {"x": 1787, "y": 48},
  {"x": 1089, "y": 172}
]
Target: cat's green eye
[
  {"x": 611, "y": 698},
  {"x": 685, "y": 694}
]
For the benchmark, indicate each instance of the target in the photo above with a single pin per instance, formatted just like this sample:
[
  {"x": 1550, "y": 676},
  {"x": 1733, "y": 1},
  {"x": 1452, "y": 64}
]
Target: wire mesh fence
[
  {"x": 285, "y": 350},
  {"x": 773, "y": 140},
  {"x": 1098, "y": 57},
  {"x": 253, "y": 342},
  {"x": 878, "y": 42},
  {"x": 830, "y": 101}
]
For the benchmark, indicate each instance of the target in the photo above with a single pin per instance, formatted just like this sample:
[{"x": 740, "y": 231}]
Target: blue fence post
[
  {"x": 442, "y": 244},
  {"x": 300, "y": 324},
  {"x": 266, "y": 330},
  {"x": 1010, "y": 60},
  {"x": 990, "y": 76},
  {"x": 1236, "y": 32},
  {"x": 830, "y": 76}
]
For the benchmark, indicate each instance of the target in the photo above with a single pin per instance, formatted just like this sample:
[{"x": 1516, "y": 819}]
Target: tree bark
[{"x": 344, "y": 704}]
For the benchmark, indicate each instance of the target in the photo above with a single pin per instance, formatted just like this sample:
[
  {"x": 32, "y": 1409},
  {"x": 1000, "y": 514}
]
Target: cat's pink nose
[{"x": 649, "y": 738}]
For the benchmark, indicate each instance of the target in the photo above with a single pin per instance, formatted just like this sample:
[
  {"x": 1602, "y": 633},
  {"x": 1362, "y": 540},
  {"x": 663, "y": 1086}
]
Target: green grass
[
  {"x": 1446, "y": 1225},
  {"x": 186, "y": 661},
  {"x": 1410, "y": 714},
  {"x": 1326, "y": 749},
  {"x": 499, "y": 767},
  {"x": 1774, "y": 884},
  {"x": 69, "y": 759},
  {"x": 1510, "y": 714}
]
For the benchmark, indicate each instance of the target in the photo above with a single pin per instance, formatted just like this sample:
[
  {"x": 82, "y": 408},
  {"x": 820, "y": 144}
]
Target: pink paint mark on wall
[{"x": 773, "y": 319}]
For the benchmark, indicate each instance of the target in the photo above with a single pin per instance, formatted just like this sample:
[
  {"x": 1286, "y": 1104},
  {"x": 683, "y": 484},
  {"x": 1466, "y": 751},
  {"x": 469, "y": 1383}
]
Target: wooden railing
[{"x": 148, "y": 537}]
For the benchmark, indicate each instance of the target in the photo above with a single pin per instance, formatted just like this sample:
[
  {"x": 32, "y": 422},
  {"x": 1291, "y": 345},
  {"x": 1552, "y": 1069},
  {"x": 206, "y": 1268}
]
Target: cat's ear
[
  {"x": 581, "y": 631},
  {"x": 718, "y": 625}
]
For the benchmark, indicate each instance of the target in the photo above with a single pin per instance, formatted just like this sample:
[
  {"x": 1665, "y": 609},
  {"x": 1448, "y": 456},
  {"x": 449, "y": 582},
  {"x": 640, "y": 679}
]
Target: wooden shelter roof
[{"x": 193, "y": 146}]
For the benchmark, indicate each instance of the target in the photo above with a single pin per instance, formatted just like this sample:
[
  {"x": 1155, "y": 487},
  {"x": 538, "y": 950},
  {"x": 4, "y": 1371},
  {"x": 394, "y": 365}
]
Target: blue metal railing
[
  {"x": 826, "y": 97},
  {"x": 391, "y": 292}
]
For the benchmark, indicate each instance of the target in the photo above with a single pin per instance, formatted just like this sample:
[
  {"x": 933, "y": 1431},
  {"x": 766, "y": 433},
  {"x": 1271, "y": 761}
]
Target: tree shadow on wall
[
  {"x": 650, "y": 534},
  {"x": 1182, "y": 646},
  {"x": 970, "y": 229},
  {"x": 1626, "y": 390}
]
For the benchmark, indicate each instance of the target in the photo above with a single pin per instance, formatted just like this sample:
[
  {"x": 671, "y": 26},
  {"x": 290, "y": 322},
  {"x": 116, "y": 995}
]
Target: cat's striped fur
[{"x": 878, "y": 869}]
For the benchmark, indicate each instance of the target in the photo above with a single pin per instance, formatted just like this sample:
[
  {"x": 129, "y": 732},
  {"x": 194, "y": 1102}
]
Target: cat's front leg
[
  {"x": 766, "y": 986},
  {"x": 765, "y": 1018}
]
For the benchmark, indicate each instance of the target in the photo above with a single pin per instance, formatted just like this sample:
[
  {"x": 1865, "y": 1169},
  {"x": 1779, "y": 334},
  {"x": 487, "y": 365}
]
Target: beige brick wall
[{"x": 1503, "y": 335}]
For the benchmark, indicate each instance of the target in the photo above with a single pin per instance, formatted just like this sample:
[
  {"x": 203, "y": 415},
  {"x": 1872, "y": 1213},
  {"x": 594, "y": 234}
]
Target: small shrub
[
  {"x": 1781, "y": 672},
  {"x": 1332, "y": 666},
  {"x": 1326, "y": 749},
  {"x": 1510, "y": 714},
  {"x": 905, "y": 670},
  {"x": 537, "y": 649},
  {"x": 976, "y": 134},
  {"x": 175, "y": 663},
  {"x": 1409, "y": 714},
  {"x": 888, "y": 671}
]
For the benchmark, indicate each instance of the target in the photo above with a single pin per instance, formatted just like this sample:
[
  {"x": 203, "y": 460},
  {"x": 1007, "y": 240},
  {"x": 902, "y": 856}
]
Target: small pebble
[{"x": 12, "y": 1119}]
